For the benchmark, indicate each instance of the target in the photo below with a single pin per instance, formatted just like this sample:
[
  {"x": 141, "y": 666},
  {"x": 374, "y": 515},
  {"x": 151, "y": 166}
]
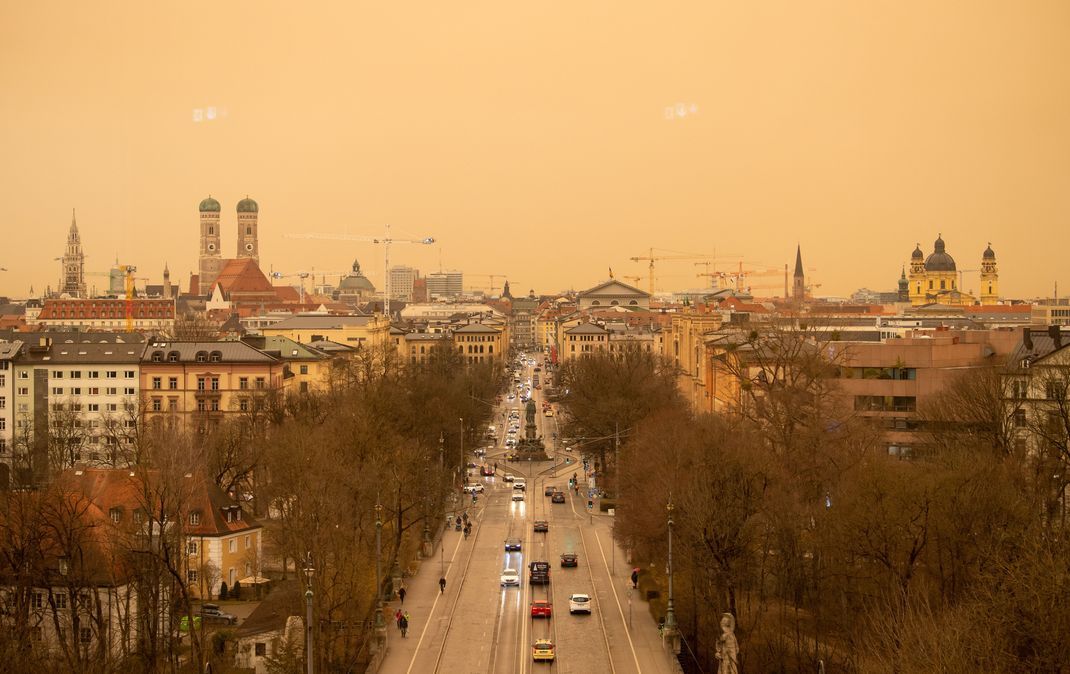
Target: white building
[
  {"x": 401, "y": 282},
  {"x": 8, "y": 353},
  {"x": 445, "y": 284}
]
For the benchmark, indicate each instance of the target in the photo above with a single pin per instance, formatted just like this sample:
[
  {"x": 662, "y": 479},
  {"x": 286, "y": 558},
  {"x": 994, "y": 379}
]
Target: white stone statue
[{"x": 727, "y": 646}]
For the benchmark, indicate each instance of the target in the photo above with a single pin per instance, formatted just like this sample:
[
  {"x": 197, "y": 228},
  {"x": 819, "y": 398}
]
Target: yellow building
[
  {"x": 356, "y": 331},
  {"x": 305, "y": 369},
  {"x": 935, "y": 279},
  {"x": 480, "y": 343}
]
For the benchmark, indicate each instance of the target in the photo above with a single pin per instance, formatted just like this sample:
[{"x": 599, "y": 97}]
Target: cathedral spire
[
  {"x": 72, "y": 235},
  {"x": 798, "y": 260}
]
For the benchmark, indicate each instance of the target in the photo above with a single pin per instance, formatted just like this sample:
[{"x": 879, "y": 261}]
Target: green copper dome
[
  {"x": 247, "y": 205},
  {"x": 209, "y": 205}
]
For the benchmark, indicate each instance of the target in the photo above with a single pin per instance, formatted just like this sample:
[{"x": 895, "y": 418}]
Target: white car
[
  {"x": 474, "y": 488},
  {"x": 510, "y": 577},
  {"x": 578, "y": 603},
  {"x": 520, "y": 485},
  {"x": 518, "y": 496}
]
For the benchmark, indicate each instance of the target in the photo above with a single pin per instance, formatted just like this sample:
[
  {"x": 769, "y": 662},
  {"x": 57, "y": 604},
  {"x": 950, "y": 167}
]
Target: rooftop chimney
[
  {"x": 1056, "y": 334},
  {"x": 1027, "y": 338}
]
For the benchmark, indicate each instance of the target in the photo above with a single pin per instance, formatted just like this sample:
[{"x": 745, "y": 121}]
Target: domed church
[{"x": 935, "y": 279}]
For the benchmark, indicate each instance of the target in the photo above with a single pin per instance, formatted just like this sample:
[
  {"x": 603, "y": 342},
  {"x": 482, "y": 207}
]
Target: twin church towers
[{"x": 210, "y": 258}]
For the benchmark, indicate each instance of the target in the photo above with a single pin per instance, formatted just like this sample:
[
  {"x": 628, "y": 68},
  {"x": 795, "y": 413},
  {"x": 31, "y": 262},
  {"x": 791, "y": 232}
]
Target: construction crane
[
  {"x": 492, "y": 287},
  {"x": 652, "y": 258},
  {"x": 965, "y": 271},
  {"x": 304, "y": 275},
  {"x": 128, "y": 271},
  {"x": 386, "y": 241}
]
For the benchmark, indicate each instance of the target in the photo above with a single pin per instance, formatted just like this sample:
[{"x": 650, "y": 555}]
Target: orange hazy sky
[{"x": 541, "y": 140}]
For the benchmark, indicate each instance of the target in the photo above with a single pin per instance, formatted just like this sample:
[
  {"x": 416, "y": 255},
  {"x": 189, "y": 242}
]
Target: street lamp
[
  {"x": 462, "y": 444},
  {"x": 379, "y": 624},
  {"x": 308, "y": 569},
  {"x": 670, "y": 611}
]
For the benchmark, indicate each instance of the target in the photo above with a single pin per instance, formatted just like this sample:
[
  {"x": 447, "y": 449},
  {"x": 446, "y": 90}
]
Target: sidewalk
[
  {"x": 652, "y": 655},
  {"x": 421, "y": 595}
]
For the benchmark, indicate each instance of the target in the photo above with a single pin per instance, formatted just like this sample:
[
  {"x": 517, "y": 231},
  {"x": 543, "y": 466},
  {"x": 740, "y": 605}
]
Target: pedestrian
[
  {"x": 404, "y": 625},
  {"x": 397, "y": 618},
  {"x": 635, "y": 578},
  {"x": 401, "y": 596},
  {"x": 442, "y": 585}
]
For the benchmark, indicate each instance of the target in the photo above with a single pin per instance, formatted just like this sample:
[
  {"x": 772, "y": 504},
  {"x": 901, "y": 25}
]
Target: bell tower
[
  {"x": 210, "y": 257},
  {"x": 989, "y": 277},
  {"x": 73, "y": 281},
  {"x": 248, "y": 246}
]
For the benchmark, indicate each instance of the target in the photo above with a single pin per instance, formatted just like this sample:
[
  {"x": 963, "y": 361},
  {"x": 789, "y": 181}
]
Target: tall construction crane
[
  {"x": 492, "y": 287},
  {"x": 304, "y": 275},
  {"x": 386, "y": 241},
  {"x": 128, "y": 271},
  {"x": 652, "y": 258}
]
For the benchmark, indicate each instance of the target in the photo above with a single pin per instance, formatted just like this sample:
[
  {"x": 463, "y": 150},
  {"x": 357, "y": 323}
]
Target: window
[
  {"x": 1054, "y": 390},
  {"x": 243, "y": 382},
  {"x": 191, "y": 576},
  {"x": 248, "y": 542},
  {"x": 304, "y": 369},
  {"x": 94, "y": 374},
  {"x": 157, "y": 383},
  {"x": 194, "y": 519},
  {"x": 215, "y": 356},
  {"x": 57, "y": 374},
  {"x": 60, "y": 599},
  {"x": 1019, "y": 418},
  {"x": 24, "y": 391},
  {"x": 76, "y": 391},
  {"x": 233, "y": 545},
  {"x": 116, "y": 514},
  {"x": 111, "y": 391},
  {"x": 94, "y": 391},
  {"x": 191, "y": 547},
  {"x": 157, "y": 356},
  {"x": 37, "y": 600},
  {"x": 111, "y": 374},
  {"x": 172, "y": 404},
  {"x": 202, "y": 357},
  {"x": 111, "y": 407},
  {"x": 215, "y": 383},
  {"x": 172, "y": 357},
  {"x": 243, "y": 404},
  {"x": 57, "y": 390},
  {"x": 201, "y": 383},
  {"x": 3, "y": 403},
  {"x": 128, "y": 391},
  {"x": 85, "y": 635},
  {"x": 260, "y": 381},
  {"x": 23, "y": 374},
  {"x": 157, "y": 404},
  {"x": 172, "y": 383},
  {"x": 94, "y": 407},
  {"x": 214, "y": 405},
  {"x": 129, "y": 374},
  {"x": 260, "y": 648}
]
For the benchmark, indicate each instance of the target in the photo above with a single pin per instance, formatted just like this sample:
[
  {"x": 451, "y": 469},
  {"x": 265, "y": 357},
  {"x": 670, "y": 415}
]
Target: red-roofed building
[{"x": 105, "y": 314}]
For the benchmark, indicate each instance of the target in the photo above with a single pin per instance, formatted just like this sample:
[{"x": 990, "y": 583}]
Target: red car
[{"x": 540, "y": 608}]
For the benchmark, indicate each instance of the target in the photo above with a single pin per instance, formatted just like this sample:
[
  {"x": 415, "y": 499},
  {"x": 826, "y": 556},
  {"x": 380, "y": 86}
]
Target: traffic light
[{"x": 590, "y": 503}]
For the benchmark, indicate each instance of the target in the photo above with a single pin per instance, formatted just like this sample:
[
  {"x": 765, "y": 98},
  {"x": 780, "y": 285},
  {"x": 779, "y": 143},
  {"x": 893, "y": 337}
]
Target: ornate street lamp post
[
  {"x": 671, "y": 634},
  {"x": 309, "y": 651}
]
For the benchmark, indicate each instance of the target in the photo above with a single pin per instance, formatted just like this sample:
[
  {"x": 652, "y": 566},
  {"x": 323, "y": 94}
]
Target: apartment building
[
  {"x": 480, "y": 343},
  {"x": 9, "y": 351}
]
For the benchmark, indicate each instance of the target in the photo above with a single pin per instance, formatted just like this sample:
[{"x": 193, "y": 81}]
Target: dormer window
[
  {"x": 116, "y": 514},
  {"x": 202, "y": 356},
  {"x": 215, "y": 356},
  {"x": 157, "y": 356},
  {"x": 172, "y": 357},
  {"x": 195, "y": 518}
]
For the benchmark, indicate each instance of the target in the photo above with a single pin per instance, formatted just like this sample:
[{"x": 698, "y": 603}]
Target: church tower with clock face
[
  {"x": 210, "y": 257},
  {"x": 248, "y": 212}
]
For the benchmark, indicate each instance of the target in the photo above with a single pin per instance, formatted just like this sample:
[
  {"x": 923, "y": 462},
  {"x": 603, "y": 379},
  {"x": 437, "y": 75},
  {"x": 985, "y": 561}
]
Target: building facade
[
  {"x": 401, "y": 282},
  {"x": 445, "y": 285},
  {"x": 935, "y": 279},
  {"x": 106, "y": 314}
]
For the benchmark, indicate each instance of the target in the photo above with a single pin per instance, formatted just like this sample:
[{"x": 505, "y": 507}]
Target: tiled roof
[
  {"x": 586, "y": 329},
  {"x": 286, "y": 348},
  {"x": 83, "y": 353},
  {"x": 321, "y": 322},
  {"x": 476, "y": 328},
  {"x": 9, "y": 350},
  {"x": 229, "y": 352},
  {"x": 242, "y": 275}
]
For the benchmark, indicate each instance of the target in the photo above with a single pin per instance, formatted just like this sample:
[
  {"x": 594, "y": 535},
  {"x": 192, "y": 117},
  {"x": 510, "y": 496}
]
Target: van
[{"x": 539, "y": 573}]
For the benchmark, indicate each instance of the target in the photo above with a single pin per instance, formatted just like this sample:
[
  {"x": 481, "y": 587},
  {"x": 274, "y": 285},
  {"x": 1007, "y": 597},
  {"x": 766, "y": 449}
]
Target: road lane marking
[{"x": 613, "y": 587}]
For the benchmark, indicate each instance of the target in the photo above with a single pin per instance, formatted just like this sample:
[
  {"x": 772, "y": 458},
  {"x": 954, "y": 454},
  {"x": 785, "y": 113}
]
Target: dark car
[
  {"x": 570, "y": 559},
  {"x": 542, "y": 525},
  {"x": 558, "y": 497},
  {"x": 539, "y": 573},
  {"x": 549, "y": 491},
  {"x": 512, "y": 544},
  {"x": 211, "y": 613}
]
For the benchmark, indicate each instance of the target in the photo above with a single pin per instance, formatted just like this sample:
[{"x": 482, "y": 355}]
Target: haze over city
[{"x": 543, "y": 142}]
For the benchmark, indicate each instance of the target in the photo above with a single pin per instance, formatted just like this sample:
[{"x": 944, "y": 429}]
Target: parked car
[
  {"x": 512, "y": 545},
  {"x": 558, "y": 497},
  {"x": 542, "y": 650},
  {"x": 211, "y": 613},
  {"x": 540, "y": 608},
  {"x": 510, "y": 577},
  {"x": 579, "y": 603},
  {"x": 542, "y": 526},
  {"x": 570, "y": 559}
]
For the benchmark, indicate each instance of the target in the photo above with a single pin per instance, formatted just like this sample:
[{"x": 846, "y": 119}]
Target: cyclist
[{"x": 442, "y": 585}]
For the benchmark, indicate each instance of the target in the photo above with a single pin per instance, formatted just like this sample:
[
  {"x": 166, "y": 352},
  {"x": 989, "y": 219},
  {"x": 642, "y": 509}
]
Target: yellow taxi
[{"x": 542, "y": 650}]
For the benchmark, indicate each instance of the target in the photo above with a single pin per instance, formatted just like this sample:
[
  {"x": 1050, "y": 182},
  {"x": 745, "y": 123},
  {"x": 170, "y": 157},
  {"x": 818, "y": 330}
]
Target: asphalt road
[{"x": 479, "y": 626}]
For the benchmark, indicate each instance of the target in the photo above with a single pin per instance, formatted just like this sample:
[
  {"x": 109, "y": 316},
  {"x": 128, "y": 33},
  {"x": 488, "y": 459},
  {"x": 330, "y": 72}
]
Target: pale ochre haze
[{"x": 535, "y": 138}]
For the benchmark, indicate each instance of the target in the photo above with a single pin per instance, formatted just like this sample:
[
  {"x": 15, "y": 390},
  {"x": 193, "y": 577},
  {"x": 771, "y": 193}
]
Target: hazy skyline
[{"x": 542, "y": 141}]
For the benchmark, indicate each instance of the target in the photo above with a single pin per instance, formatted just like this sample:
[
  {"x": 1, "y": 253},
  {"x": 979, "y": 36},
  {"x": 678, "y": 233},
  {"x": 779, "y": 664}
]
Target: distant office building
[
  {"x": 445, "y": 284},
  {"x": 419, "y": 290},
  {"x": 401, "y": 282}
]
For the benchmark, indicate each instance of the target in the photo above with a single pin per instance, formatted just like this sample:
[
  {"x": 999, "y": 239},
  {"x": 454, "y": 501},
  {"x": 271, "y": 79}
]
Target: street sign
[{"x": 590, "y": 504}]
